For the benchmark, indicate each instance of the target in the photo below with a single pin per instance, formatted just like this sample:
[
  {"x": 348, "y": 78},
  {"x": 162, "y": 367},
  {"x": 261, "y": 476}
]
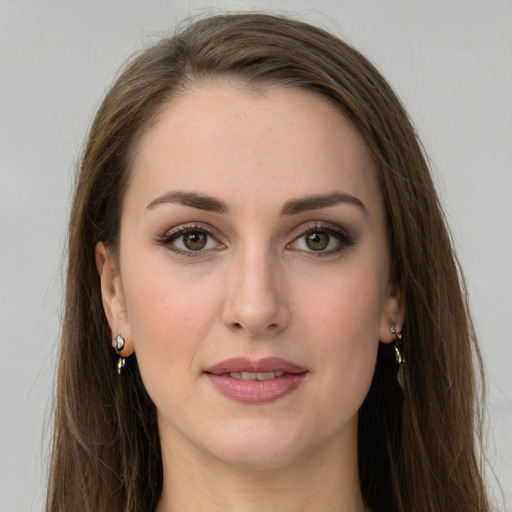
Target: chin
[
  {"x": 251, "y": 457},
  {"x": 261, "y": 446}
]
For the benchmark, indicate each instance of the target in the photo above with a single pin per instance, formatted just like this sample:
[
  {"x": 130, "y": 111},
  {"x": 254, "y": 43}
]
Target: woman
[{"x": 263, "y": 310}]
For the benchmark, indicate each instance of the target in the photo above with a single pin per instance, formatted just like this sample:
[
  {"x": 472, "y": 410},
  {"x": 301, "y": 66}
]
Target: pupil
[
  {"x": 194, "y": 241},
  {"x": 317, "y": 241}
]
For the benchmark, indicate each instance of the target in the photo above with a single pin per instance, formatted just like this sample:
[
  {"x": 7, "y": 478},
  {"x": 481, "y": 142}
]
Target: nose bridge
[{"x": 255, "y": 301}]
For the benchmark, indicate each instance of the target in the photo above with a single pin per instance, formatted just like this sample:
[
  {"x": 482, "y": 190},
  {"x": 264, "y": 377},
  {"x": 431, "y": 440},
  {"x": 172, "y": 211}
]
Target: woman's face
[{"x": 253, "y": 277}]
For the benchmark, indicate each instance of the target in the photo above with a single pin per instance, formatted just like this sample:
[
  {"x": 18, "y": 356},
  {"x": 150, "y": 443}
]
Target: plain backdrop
[{"x": 450, "y": 62}]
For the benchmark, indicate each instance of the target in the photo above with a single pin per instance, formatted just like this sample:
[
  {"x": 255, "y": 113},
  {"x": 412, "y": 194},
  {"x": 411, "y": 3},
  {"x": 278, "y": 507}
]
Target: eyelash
[
  {"x": 344, "y": 238},
  {"x": 169, "y": 237},
  {"x": 341, "y": 235}
]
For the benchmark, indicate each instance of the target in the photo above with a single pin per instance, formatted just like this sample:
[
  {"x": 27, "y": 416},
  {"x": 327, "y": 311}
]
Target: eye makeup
[
  {"x": 191, "y": 240},
  {"x": 197, "y": 240},
  {"x": 322, "y": 239}
]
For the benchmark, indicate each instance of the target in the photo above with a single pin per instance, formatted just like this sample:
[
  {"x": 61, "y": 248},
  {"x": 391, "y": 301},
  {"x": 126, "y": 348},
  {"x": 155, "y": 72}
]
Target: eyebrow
[
  {"x": 317, "y": 202},
  {"x": 192, "y": 199},
  {"x": 292, "y": 207}
]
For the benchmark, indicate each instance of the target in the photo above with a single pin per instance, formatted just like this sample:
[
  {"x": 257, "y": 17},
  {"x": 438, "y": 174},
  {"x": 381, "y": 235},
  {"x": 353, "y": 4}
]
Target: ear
[
  {"x": 393, "y": 313},
  {"x": 112, "y": 297}
]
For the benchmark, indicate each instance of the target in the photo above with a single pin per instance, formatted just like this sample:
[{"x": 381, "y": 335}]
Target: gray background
[{"x": 451, "y": 63}]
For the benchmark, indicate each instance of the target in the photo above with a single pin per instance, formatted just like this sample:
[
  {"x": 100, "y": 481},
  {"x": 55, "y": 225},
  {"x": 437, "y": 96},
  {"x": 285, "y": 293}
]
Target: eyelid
[
  {"x": 191, "y": 226},
  {"x": 329, "y": 227}
]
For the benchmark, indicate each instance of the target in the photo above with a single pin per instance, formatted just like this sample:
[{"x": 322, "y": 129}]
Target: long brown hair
[{"x": 418, "y": 451}]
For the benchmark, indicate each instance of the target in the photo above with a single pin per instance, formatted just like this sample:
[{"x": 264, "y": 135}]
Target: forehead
[{"x": 253, "y": 145}]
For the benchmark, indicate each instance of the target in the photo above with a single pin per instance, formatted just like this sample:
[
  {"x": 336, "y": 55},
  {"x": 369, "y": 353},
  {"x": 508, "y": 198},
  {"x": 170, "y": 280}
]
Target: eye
[
  {"x": 194, "y": 241},
  {"x": 187, "y": 240},
  {"x": 324, "y": 240},
  {"x": 317, "y": 241}
]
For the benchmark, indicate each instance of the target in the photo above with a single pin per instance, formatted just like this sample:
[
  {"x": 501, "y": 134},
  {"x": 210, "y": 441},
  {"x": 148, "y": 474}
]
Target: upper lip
[{"x": 244, "y": 364}]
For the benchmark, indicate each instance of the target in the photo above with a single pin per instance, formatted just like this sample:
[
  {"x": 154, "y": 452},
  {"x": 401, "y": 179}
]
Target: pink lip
[
  {"x": 256, "y": 391},
  {"x": 244, "y": 364}
]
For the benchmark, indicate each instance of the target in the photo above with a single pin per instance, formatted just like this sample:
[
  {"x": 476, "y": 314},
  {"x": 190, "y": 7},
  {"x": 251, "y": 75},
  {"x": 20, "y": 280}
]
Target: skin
[{"x": 257, "y": 289}]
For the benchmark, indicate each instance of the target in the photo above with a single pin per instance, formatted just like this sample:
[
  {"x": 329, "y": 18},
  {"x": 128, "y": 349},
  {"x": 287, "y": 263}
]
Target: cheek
[
  {"x": 345, "y": 326},
  {"x": 169, "y": 315},
  {"x": 348, "y": 305},
  {"x": 161, "y": 297}
]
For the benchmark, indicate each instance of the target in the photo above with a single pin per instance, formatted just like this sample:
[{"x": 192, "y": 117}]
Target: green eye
[
  {"x": 191, "y": 240},
  {"x": 195, "y": 240},
  {"x": 317, "y": 241}
]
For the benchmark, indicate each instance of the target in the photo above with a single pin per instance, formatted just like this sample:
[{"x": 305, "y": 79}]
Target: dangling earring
[
  {"x": 398, "y": 356},
  {"x": 120, "y": 364},
  {"x": 121, "y": 361}
]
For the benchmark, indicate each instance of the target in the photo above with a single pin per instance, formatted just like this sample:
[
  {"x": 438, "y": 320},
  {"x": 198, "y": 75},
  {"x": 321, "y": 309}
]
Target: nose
[{"x": 256, "y": 301}]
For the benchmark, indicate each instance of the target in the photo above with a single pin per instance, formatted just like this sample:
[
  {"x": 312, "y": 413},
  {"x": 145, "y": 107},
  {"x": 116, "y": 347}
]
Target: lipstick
[{"x": 255, "y": 382}]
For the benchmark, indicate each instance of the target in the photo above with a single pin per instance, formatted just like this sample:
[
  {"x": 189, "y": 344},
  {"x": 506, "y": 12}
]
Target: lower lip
[{"x": 256, "y": 391}]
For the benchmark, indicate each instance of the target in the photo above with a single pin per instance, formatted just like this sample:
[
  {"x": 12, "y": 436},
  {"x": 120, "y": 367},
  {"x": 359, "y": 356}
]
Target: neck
[{"x": 325, "y": 480}]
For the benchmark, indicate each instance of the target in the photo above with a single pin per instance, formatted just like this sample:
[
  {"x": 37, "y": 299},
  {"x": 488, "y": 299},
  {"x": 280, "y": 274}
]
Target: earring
[
  {"x": 399, "y": 357},
  {"x": 398, "y": 334},
  {"x": 119, "y": 342},
  {"x": 120, "y": 364},
  {"x": 119, "y": 345}
]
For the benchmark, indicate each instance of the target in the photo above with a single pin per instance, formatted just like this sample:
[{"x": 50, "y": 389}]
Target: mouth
[
  {"x": 263, "y": 367},
  {"x": 255, "y": 376},
  {"x": 256, "y": 382}
]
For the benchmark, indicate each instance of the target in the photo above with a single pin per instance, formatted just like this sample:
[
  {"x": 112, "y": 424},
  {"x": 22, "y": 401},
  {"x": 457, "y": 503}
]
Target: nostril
[{"x": 238, "y": 326}]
